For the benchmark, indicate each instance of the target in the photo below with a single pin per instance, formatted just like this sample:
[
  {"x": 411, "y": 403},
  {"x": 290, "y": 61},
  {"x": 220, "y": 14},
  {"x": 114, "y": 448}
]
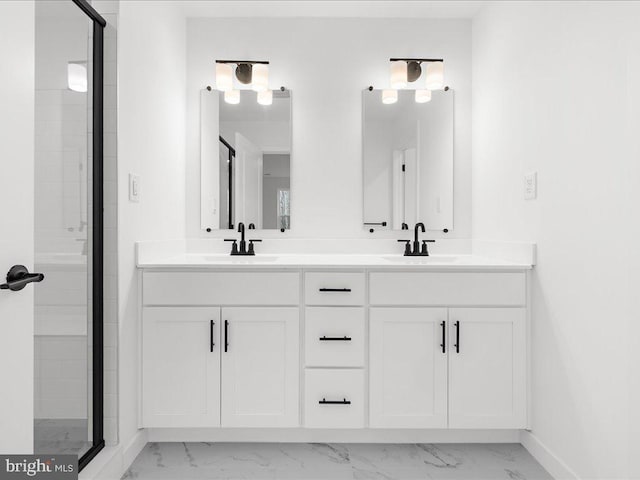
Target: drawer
[
  {"x": 448, "y": 289},
  {"x": 334, "y": 398},
  {"x": 334, "y": 288},
  {"x": 221, "y": 288},
  {"x": 334, "y": 337}
]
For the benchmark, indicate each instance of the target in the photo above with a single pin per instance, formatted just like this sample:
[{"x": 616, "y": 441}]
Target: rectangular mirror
[
  {"x": 245, "y": 161},
  {"x": 408, "y": 161}
]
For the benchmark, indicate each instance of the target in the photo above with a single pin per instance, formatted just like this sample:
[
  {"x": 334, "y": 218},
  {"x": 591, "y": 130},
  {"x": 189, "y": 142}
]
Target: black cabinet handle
[
  {"x": 457, "y": 344},
  {"x": 443, "y": 345},
  {"x": 335, "y": 289},
  {"x": 344, "y": 401},
  {"x": 226, "y": 335},
  {"x": 336, "y": 339},
  {"x": 19, "y": 277},
  {"x": 211, "y": 343}
]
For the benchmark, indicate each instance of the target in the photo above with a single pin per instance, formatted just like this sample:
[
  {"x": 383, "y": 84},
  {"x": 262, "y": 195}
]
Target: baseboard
[
  {"x": 307, "y": 435},
  {"x": 112, "y": 462},
  {"x": 554, "y": 465}
]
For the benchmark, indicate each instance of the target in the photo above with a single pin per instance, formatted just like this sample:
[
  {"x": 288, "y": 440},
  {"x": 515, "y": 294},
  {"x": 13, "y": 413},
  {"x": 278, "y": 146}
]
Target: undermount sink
[{"x": 420, "y": 260}]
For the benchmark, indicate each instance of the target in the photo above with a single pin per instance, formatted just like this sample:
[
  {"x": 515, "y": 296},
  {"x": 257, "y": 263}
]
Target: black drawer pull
[
  {"x": 335, "y": 339},
  {"x": 335, "y": 289},
  {"x": 344, "y": 401},
  {"x": 211, "y": 342},
  {"x": 457, "y": 344},
  {"x": 226, "y": 335},
  {"x": 443, "y": 345}
]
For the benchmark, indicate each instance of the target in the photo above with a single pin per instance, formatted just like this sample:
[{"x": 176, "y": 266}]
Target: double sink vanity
[
  {"x": 320, "y": 338},
  {"x": 332, "y": 341}
]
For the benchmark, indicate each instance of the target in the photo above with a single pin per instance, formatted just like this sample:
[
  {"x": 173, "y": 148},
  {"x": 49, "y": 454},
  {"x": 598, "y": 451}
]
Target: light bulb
[
  {"x": 224, "y": 77},
  {"x": 435, "y": 75},
  {"x": 232, "y": 97},
  {"x": 423, "y": 96},
  {"x": 398, "y": 74},
  {"x": 389, "y": 96},
  {"x": 260, "y": 77},
  {"x": 265, "y": 97},
  {"x": 77, "y": 76}
]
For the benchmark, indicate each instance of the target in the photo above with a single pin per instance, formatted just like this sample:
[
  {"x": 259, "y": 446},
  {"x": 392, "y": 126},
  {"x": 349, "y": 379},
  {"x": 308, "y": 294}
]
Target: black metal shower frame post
[{"x": 97, "y": 388}]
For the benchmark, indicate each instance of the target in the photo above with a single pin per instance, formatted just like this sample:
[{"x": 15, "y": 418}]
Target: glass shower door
[{"x": 68, "y": 248}]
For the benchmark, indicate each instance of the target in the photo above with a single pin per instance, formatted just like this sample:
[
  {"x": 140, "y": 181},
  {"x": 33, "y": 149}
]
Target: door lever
[{"x": 18, "y": 278}]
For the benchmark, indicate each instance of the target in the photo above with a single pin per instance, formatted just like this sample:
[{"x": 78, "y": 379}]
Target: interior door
[
  {"x": 248, "y": 181},
  {"x": 16, "y": 223},
  {"x": 408, "y": 368},
  {"x": 181, "y": 367},
  {"x": 260, "y": 361},
  {"x": 487, "y": 370}
]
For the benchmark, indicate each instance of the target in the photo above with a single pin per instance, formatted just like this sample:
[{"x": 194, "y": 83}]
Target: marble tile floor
[
  {"x": 322, "y": 461},
  {"x": 60, "y": 436}
]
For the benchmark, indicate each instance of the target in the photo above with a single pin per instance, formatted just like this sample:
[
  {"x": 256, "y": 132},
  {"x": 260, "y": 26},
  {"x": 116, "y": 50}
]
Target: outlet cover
[
  {"x": 134, "y": 187},
  {"x": 531, "y": 186}
]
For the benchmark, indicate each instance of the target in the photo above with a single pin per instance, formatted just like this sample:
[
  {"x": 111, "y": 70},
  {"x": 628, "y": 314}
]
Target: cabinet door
[
  {"x": 408, "y": 368},
  {"x": 487, "y": 368},
  {"x": 180, "y": 367},
  {"x": 260, "y": 367}
]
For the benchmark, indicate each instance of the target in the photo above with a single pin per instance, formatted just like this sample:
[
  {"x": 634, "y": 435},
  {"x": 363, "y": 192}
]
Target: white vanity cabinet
[
  {"x": 487, "y": 368},
  {"x": 216, "y": 352},
  {"x": 408, "y": 365},
  {"x": 260, "y": 367},
  {"x": 360, "y": 348},
  {"x": 462, "y": 365},
  {"x": 181, "y": 367}
]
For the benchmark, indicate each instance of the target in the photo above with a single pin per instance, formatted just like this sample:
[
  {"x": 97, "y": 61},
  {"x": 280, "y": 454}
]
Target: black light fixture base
[{"x": 244, "y": 73}]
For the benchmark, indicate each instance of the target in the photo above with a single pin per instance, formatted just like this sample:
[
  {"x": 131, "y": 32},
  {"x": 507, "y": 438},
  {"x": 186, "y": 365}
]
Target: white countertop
[{"x": 436, "y": 262}]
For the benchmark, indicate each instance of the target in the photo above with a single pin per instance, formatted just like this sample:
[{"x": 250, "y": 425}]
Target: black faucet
[
  {"x": 416, "y": 251},
  {"x": 243, "y": 243},
  {"x": 243, "y": 250}
]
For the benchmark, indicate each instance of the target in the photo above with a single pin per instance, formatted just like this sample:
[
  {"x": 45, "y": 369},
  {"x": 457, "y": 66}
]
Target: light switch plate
[
  {"x": 134, "y": 187},
  {"x": 531, "y": 186}
]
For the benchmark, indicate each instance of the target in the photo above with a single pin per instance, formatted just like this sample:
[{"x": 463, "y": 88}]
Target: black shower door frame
[{"x": 97, "y": 249}]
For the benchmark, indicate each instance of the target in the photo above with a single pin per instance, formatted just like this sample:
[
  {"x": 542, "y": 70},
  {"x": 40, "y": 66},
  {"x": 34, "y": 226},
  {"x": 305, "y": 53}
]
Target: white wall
[
  {"x": 151, "y": 120},
  {"x": 327, "y": 63},
  {"x": 554, "y": 91}
]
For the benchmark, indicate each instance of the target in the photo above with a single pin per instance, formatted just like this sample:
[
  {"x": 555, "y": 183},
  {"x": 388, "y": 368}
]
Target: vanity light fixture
[
  {"x": 254, "y": 73},
  {"x": 260, "y": 81},
  {"x": 389, "y": 96},
  {"x": 224, "y": 77},
  {"x": 77, "y": 76},
  {"x": 435, "y": 76},
  {"x": 408, "y": 70},
  {"x": 398, "y": 75}
]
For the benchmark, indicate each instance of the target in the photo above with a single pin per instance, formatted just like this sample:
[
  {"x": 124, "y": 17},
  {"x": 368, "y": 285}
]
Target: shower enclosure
[{"x": 68, "y": 416}]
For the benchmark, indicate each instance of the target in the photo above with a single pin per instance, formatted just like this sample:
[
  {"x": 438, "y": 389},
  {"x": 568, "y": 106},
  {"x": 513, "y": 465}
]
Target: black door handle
[
  {"x": 226, "y": 335},
  {"x": 443, "y": 345},
  {"x": 336, "y": 339},
  {"x": 211, "y": 343},
  {"x": 335, "y": 289},
  {"x": 457, "y": 344},
  {"x": 18, "y": 278},
  {"x": 344, "y": 401}
]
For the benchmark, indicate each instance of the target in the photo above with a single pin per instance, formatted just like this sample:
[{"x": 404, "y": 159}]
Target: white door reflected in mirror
[
  {"x": 408, "y": 160},
  {"x": 245, "y": 161}
]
